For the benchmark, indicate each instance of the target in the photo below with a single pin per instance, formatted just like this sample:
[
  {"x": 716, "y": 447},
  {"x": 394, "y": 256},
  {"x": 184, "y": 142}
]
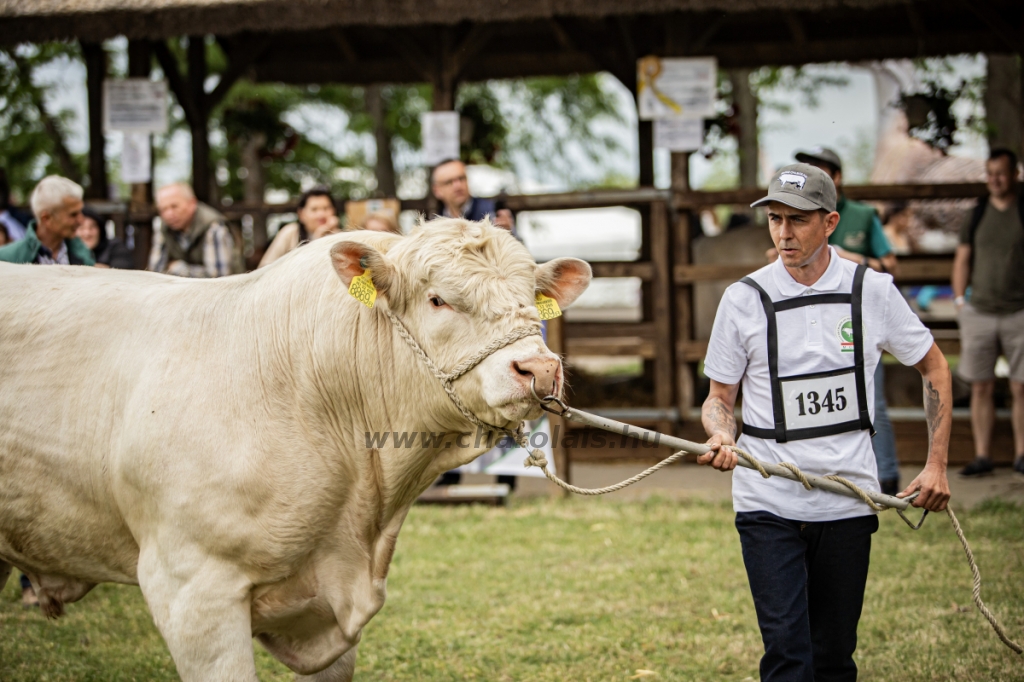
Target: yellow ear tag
[
  {"x": 362, "y": 289},
  {"x": 547, "y": 307}
]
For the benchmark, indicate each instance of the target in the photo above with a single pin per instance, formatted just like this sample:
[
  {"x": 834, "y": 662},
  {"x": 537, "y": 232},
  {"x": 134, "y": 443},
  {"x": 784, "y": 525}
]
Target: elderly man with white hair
[
  {"x": 50, "y": 238},
  {"x": 193, "y": 239}
]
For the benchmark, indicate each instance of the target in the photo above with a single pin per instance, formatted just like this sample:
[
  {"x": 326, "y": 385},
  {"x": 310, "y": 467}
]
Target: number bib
[
  {"x": 821, "y": 403},
  {"x": 815, "y": 401}
]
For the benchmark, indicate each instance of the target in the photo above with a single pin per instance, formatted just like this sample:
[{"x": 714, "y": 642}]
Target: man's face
[
  {"x": 799, "y": 236},
  {"x": 63, "y": 221},
  {"x": 1001, "y": 179},
  {"x": 175, "y": 207},
  {"x": 450, "y": 184},
  {"x": 316, "y": 212}
]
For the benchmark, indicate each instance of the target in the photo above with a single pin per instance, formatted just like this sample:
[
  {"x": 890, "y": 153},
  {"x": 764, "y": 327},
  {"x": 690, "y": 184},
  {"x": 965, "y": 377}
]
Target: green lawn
[{"x": 590, "y": 590}]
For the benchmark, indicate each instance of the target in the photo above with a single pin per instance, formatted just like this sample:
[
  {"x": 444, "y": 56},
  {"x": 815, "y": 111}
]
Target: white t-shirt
[{"x": 809, "y": 341}]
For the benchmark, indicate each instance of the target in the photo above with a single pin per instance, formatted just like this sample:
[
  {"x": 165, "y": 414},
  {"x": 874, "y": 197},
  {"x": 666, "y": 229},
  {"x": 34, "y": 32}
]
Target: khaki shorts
[{"x": 983, "y": 337}]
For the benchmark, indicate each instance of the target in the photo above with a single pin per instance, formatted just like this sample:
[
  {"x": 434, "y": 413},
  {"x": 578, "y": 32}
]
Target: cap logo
[{"x": 792, "y": 178}]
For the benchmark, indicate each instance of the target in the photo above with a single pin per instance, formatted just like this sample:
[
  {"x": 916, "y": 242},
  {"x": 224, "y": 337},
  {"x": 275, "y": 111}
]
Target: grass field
[{"x": 590, "y": 590}]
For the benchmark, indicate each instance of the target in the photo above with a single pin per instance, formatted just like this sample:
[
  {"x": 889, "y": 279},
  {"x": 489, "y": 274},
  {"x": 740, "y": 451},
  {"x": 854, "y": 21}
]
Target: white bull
[{"x": 206, "y": 440}]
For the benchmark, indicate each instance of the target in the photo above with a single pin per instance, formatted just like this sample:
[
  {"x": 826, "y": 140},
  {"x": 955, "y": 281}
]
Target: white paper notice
[
  {"x": 679, "y": 134},
  {"x": 135, "y": 104},
  {"x": 440, "y": 136},
  {"x": 670, "y": 88},
  {"x": 136, "y": 158}
]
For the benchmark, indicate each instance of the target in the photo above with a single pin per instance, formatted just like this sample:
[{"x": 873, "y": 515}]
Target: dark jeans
[{"x": 807, "y": 580}]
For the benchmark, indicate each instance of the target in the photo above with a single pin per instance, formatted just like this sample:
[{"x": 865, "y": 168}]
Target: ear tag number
[
  {"x": 547, "y": 307},
  {"x": 362, "y": 289}
]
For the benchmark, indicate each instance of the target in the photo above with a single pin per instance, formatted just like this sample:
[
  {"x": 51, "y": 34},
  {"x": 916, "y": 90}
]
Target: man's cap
[
  {"x": 801, "y": 186},
  {"x": 821, "y": 155}
]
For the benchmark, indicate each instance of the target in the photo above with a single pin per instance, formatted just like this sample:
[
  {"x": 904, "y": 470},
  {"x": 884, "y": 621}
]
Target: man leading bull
[{"x": 802, "y": 336}]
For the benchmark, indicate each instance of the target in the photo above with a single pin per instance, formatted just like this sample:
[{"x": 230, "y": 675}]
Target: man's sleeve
[
  {"x": 880, "y": 245},
  {"x": 157, "y": 257},
  {"x": 217, "y": 251},
  {"x": 726, "y": 359},
  {"x": 906, "y": 336}
]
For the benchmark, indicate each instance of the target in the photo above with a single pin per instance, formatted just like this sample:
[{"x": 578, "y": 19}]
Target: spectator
[
  {"x": 318, "y": 217},
  {"x": 990, "y": 259},
  {"x": 381, "y": 222},
  {"x": 5, "y": 239},
  {"x": 11, "y": 219},
  {"x": 192, "y": 239},
  {"x": 450, "y": 186},
  {"x": 50, "y": 238},
  {"x": 859, "y": 237},
  {"x": 108, "y": 252}
]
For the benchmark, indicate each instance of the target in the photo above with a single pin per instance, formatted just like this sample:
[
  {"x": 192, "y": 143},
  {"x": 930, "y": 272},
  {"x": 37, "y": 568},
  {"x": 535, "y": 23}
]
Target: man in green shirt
[
  {"x": 859, "y": 237},
  {"x": 990, "y": 258}
]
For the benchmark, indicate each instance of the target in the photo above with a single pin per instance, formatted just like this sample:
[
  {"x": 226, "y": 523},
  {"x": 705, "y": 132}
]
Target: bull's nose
[{"x": 543, "y": 371}]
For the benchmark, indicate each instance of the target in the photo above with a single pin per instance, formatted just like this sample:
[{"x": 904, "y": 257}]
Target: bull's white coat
[{"x": 205, "y": 439}]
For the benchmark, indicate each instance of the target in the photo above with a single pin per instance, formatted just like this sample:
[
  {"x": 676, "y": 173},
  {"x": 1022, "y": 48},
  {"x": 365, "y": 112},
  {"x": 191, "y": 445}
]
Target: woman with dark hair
[
  {"x": 109, "y": 252},
  {"x": 318, "y": 217}
]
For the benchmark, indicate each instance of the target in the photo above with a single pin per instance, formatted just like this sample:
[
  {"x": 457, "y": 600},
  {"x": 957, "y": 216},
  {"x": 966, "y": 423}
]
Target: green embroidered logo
[{"x": 844, "y": 332}]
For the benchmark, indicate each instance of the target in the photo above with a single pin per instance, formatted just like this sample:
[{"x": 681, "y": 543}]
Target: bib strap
[
  {"x": 778, "y": 409},
  {"x": 857, "y": 321}
]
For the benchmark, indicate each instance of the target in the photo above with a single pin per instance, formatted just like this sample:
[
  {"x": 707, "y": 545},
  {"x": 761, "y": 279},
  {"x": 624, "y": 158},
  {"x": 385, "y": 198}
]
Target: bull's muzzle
[{"x": 539, "y": 373}]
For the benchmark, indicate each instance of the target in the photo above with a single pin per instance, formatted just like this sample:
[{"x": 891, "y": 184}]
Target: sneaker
[
  {"x": 1018, "y": 466},
  {"x": 981, "y": 466},
  {"x": 890, "y": 486},
  {"x": 29, "y": 598}
]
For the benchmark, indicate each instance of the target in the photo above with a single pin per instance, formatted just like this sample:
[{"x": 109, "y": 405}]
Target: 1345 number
[{"x": 834, "y": 401}]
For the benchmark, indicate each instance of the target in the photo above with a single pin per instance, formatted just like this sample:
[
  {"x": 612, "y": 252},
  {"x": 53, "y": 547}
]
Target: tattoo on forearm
[
  {"x": 932, "y": 409},
  {"x": 718, "y": 417}
]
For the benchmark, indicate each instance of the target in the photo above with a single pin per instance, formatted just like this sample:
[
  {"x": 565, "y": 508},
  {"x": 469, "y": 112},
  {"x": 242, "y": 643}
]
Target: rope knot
[{"x": 535, "y": 459}]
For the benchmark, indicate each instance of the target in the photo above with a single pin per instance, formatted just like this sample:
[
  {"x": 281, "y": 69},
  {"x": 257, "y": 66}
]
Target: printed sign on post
[
  {"x": 136, "y": 105},
  {"x": 669, "y": 88},
  {"x": 679, "y": 134},
  {"x": 440, "y": 136},
  {"x": 136, "y": 158}
]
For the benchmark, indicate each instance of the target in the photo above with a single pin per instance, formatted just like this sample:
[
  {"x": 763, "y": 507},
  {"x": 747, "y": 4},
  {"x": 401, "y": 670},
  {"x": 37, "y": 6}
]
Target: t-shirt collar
[{"x": 830, "y": 280}]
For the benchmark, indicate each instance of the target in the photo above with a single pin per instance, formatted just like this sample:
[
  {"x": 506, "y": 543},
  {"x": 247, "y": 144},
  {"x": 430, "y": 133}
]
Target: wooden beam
[
  {"x": 618, "y": 345},
  {"x": 563, "y": 38},
  {"x": 340, "y": 41},
  {"x": 740, "y": 197},
  {"x": 197, "y": 70},
  {"x": 176, "y": 81},
  {"x": 598, "y": 330},
  {"x": 587, "y": 199},
  {"x": 1003, "y": 29},
  {"x": 240, "y": 59},
  {"x": 707, "y": 34},
  {"x": 405, "y": 45},
  {"x": 479, "y": 37},
  {"x": 96, "y": 72},
  {"x": 661, "y": 293},
  {"x": 642, "y": 270},
  {"x": 796, "y": 28}
]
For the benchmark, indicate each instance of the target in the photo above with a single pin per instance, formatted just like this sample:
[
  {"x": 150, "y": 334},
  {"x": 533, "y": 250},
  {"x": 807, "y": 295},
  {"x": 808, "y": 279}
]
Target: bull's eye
[{"x": 437, "y": 301}]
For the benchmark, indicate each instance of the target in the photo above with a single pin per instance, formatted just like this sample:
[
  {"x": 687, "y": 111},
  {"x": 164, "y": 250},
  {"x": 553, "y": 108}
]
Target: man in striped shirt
[{"x": 192, "y": 239}]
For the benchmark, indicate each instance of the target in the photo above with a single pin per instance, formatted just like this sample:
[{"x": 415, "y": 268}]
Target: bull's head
[{"x": 460, "y": 285}]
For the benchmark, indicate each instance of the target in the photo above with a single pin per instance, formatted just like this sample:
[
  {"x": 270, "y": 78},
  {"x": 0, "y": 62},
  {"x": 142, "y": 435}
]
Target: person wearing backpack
[{"x": 988, "y": 285}]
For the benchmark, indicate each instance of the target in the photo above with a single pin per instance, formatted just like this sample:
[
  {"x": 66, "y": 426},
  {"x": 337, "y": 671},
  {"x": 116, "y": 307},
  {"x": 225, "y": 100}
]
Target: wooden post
[
  {"x": 96, "y": 71},
  {"x": 555, "y": 332},
  {"x": 661, "y": 313},
  {"x": 140, "y": 58},
  {"x": 201, "y": 176},
  {"x": 685, "y": 370}
]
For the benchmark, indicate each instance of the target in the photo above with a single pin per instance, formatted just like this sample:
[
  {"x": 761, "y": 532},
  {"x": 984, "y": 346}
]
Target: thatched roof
[{"x": 34, "y": 20}]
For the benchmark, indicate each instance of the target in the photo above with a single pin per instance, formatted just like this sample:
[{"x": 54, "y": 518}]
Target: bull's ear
[
  {"x": 563, "y": 279},
  {"x": 351, "y": 259}
]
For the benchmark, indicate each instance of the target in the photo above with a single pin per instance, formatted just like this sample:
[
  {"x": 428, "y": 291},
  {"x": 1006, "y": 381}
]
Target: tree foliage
[{"x": 34, "y": 142}]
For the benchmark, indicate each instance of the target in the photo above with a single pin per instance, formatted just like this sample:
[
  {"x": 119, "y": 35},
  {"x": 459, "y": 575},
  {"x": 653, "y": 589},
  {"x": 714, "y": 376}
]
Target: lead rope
[{"x": 536, "y": 458}]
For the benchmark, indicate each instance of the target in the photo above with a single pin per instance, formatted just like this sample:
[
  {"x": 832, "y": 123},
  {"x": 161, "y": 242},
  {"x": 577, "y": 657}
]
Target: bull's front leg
[
  {"x": 201, "y": 606},
  {"x": 342, "y": 670}
]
